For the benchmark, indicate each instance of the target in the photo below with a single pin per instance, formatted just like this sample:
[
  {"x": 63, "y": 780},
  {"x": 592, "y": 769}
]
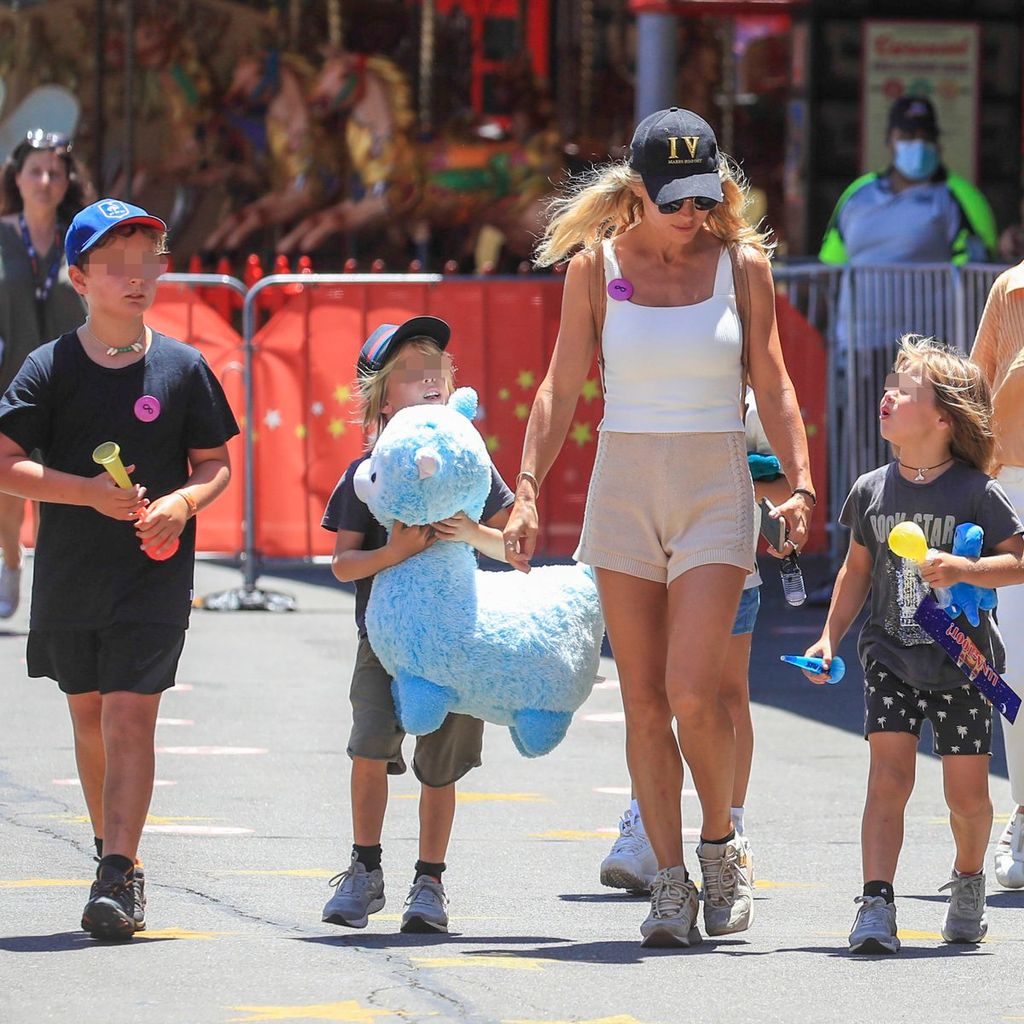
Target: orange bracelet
[{"x": 193, "y": 505}]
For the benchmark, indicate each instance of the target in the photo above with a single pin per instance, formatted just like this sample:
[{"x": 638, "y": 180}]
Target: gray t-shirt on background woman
[{"x": 23, "y": 325}]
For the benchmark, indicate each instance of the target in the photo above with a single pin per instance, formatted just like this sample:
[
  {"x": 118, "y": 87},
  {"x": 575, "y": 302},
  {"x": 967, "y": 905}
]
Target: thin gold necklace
[
  {"x": 921, "y": 470},
  {"x": 113, "y": 350}
]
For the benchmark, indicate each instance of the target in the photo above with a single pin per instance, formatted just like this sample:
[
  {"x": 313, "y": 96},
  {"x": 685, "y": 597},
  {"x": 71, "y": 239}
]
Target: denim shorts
[{"x": 746, "y": 614}]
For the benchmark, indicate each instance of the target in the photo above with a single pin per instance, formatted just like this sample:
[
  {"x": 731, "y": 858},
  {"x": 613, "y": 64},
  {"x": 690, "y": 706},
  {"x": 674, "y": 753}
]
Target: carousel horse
[
  {"x": 266, "y": 106},
  {"x": 438, "y": 185}
]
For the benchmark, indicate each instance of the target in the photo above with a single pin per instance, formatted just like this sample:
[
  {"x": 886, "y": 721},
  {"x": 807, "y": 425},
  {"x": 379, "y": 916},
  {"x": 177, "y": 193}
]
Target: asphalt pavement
[{"x": 250, "y": 819}]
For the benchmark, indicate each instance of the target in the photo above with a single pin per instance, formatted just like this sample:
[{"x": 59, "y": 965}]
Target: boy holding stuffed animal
[
  {"x": 400, "y": 366},
  {"x": 935, "y": 413}
]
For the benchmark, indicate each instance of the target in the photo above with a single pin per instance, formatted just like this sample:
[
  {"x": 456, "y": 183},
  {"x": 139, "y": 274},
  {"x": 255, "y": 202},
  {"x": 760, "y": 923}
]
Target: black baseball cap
[
  {"x": 676, "y": 153},
  {"x": 387, "y": 337},
  {"x": 912, "y": 114}
]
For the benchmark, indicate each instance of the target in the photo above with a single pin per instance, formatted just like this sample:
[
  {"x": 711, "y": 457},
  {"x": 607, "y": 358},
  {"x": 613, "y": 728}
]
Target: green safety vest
[{"x": 977, "y": 216}]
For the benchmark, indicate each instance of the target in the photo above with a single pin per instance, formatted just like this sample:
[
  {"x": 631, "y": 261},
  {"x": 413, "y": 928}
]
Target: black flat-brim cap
[
  {"x": 387, "y": 337},
  {"x": 675, "y": 152}
]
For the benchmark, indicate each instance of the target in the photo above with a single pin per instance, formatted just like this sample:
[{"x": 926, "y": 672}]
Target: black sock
[
  {"x": 123, "y": 865},
  {"x": 368, "y": 856},
  {"x": 99, "y": 845},
  {"x": 426, "y": 867},
  {"x": 880, "y": 889},
  {"x": 718, "y": 842}
]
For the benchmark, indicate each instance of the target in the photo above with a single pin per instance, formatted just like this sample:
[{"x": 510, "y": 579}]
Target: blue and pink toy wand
[{"x": 817, "y": 665}]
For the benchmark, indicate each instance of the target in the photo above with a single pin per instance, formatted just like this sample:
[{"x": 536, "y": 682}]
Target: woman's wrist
[
  {"x": 807, "y": 494},
  {"x": 527, "y": 483}
]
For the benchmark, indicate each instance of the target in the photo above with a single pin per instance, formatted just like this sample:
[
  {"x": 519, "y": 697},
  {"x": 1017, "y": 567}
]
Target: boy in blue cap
[{"x": 111, "y": 594}]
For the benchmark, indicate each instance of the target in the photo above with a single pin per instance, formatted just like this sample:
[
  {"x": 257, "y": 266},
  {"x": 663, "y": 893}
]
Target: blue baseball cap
[
  {"x": 92, "y": 223},
  {"x": 384, "y": 340}
]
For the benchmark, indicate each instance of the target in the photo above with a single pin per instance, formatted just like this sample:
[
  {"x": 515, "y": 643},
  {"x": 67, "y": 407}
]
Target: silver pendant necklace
[
  {"x": 114, "y": 350},
  {"x": 921, "y": 470}
]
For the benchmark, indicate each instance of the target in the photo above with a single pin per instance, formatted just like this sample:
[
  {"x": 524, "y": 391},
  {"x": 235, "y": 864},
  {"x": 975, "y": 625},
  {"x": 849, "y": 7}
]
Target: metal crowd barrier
[{"x": 856, "y": 314}]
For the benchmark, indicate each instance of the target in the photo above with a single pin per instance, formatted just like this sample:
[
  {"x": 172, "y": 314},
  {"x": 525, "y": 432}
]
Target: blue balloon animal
[{"x": 965, "y": 597}]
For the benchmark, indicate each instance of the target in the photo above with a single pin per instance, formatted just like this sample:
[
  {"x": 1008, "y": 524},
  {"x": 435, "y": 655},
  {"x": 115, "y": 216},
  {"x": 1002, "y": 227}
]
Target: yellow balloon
[{"x": 907, "y": 540}]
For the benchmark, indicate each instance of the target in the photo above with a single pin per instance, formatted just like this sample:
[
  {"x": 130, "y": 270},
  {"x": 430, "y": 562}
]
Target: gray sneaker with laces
[
  {"x": 673, "y": 917},
  {"x": 965, "y": 916},
  {"x": 358, "y": 894},
  {"x": 726, "y": 886},
  {"x": 10, "y": 591},
  {"x": 426, "y": 907},
  {"x": 631, "y": 864},
  {"x": 874, "y": 931}
]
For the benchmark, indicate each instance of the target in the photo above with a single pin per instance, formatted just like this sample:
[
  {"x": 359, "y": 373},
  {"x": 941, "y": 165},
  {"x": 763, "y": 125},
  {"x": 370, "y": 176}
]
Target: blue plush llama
[{"x": 513, "y": 649}]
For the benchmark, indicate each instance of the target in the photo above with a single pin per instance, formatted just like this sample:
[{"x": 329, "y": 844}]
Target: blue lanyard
[{"x": 42, "y": 290}]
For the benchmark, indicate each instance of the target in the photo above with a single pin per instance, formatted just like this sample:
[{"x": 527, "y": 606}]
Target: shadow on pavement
[
  {"x": 398, "y": 940},
  {"x": 67, "y": 942},
  {"x": 906, "y": 952},
  {"x": 614, "y": 952}
]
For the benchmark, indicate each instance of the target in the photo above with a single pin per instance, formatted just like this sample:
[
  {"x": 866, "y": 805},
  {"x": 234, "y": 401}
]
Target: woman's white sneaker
[
  {"x": 1009, "y": 855},
  {"x": 631, "y": 864},
  {"x": 874, "y": 930},
  {"x": 673, "y": 917}
]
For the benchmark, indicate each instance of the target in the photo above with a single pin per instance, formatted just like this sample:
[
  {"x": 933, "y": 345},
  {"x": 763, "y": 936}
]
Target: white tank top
[{"x": 670, "y": 369}]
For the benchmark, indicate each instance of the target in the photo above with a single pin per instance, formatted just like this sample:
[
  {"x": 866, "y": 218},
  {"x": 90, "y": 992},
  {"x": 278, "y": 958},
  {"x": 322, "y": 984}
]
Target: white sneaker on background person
[
  {"x": 631, "y": 864},
  {"x": 1009, "y": 853}
]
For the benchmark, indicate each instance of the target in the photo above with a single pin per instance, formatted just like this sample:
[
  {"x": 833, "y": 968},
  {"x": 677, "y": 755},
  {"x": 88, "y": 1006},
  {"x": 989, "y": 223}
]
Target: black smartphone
[{"x": 773, "y": 530}]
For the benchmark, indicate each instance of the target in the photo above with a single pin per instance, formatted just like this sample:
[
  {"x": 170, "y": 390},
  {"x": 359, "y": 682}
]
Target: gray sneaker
[
  {"x": 426, "y": 907},
  {"x": 10, "y": 591},
  {"x": 631, "y": 864},
  {"x": 874, "y": 931},
  {"x": 673, "y": 917},
  {"x": 726, "y": 886},
  {"x": 358, "y": 894},
  {"x": 965, "y": 917}
]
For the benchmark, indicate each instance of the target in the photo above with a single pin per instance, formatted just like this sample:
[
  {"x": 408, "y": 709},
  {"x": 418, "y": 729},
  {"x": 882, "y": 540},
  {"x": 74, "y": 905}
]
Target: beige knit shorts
[{"x": 661, "y": 504}]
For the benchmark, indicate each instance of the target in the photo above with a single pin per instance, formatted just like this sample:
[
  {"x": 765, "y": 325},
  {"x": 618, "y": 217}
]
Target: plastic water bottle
[{"x": 792, "y": 581}]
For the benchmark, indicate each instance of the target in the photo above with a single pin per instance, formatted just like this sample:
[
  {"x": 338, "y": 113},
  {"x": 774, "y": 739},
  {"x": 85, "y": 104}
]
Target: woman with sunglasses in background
[
  {"x": 42, "y": 189},
  {"x": 673, "y": 293}
]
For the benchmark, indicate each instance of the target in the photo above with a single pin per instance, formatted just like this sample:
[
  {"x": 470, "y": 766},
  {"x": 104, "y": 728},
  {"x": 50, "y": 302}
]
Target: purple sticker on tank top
[
  {"x": 147, "y": 408},
  {"x": 620, "y": 289}
]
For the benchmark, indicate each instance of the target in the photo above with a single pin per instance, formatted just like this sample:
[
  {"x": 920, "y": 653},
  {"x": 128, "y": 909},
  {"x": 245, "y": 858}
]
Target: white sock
[
  {"x": 736, "y": 813},
  {"x": 634, "y": 809}
]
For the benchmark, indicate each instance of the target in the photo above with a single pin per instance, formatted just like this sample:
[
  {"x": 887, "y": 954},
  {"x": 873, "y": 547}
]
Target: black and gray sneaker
[
  {"x": 110, "y": 912},
  {"x": 139, "y": 888}
]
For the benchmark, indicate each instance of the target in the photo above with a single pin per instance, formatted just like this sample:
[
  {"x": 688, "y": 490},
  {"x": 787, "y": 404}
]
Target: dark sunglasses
[
  {"x": 702, "y": 203},
  {"x": 39, "y": 139}
]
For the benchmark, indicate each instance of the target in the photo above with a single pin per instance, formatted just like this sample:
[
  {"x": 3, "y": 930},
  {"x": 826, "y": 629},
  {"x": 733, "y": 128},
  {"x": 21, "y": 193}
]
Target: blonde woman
[
  {"x": 669, "y": 522},
  {"x": 935, "y": 413},
  {"x": 400, "y": 365},
  {"x": 999, "y": 351}
]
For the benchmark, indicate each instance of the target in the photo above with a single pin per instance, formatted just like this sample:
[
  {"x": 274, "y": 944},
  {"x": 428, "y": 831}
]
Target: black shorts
[
  {"x": 961, "y": 718},
  {"x": 137, "y": 657}
]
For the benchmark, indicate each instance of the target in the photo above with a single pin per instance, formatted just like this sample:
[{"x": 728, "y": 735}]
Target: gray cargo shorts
[{"x": 440, "y": 758}]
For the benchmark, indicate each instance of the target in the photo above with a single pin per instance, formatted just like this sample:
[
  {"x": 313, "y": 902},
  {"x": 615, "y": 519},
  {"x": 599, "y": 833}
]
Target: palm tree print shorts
[{"x": 961, "y": 719}]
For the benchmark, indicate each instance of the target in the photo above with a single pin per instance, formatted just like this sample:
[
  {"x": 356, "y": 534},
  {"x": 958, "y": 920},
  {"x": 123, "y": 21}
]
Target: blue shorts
[{"x": 746, "y": 614}]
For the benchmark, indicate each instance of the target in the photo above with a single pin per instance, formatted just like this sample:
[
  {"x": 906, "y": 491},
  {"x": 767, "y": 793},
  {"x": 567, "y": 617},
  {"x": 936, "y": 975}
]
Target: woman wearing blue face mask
[{"x": 914, "y": 212}]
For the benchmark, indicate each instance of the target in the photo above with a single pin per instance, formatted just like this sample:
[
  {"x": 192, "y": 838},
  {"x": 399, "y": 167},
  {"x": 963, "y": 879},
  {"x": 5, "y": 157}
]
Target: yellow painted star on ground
[
  {"x": 504, "y": 394},
  {"x": 590, "y": 390},
  {"x": 300, "y": 431},
  {"x": 526, "y": 379},
  {"x": 348, "y": 1010},
  {"x": 493, "y": 442},
  {"x": 342, "y": 393},
  {"x": 582, "y": 434},
  {"x": 522, "y": 411},
  {"x": 336, "y": 428}
]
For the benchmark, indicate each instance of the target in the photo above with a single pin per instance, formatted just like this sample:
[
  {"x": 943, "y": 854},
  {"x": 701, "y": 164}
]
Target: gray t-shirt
[
  {"x": 881, "y": 499},
  {"x": 24, "y": 326}
]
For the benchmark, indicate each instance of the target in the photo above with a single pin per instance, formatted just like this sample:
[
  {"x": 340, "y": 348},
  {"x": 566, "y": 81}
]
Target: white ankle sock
[{"x": 736, "y": 813}]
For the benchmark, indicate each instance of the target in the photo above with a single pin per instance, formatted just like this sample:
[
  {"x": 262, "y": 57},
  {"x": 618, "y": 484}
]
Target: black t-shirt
[
  {"x": 346, "y": 512},
  {"x": 89, "y": 569}
]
